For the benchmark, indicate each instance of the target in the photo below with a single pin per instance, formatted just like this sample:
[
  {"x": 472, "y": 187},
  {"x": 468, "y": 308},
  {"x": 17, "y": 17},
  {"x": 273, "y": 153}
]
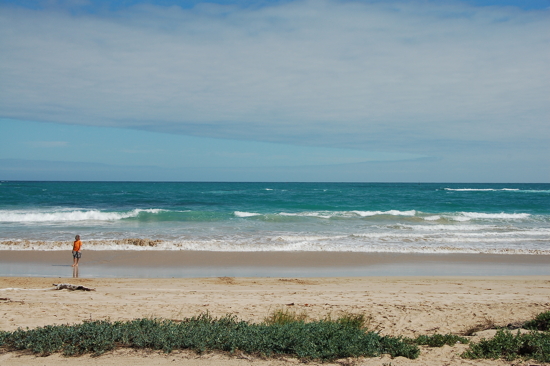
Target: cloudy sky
[{"x": 391, "y": 91}]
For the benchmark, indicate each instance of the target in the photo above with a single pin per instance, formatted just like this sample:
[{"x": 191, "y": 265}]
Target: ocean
[{"x": 331, "y": 217}]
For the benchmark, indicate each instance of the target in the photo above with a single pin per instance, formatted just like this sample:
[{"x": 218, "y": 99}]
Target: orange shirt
[{"x": 76, "y": 245}]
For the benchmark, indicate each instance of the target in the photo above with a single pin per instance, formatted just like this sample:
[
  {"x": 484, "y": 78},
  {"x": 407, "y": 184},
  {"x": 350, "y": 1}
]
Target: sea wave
[
  {"x": 463, "y": 217},
  {"x": 502, "y": 215},
  {"x": 473, "y": 189},
  {"x": 348, "y": 214},
  {"x": 432, "y": 218},
  {"x": 390, "y": 212},
  {"x": 497, "y": 190},
  {"x": 156, "y": 214},
  {"x": 245, "y": 214},
  {"x": 445, "y": 217},
  {"x": 70, "y": 215},
  {"x": 287, "y": 243}
]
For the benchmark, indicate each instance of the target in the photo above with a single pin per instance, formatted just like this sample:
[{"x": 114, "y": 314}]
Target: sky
[{"x": 345, "y": 91}]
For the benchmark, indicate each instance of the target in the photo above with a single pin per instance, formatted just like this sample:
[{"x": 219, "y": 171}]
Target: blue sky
[{"x": 401, "y": 91}]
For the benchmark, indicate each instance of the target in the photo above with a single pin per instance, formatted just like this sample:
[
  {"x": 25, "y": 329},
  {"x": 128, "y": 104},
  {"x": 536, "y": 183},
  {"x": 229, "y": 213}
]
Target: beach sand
[{"x": 407, "y": 306}]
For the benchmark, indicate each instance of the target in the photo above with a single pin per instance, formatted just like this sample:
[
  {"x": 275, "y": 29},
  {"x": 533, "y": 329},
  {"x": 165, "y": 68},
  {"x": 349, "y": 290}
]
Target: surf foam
[{"x": 69, "y": 215}]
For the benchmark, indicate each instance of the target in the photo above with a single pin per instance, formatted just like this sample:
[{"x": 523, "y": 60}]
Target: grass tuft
[
  {"x": 359, "y": 321},
  {"x": 285, "y": 316}
]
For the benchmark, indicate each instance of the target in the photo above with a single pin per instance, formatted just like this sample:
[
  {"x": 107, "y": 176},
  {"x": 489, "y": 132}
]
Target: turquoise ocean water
[{"x": 356, "y": 217}]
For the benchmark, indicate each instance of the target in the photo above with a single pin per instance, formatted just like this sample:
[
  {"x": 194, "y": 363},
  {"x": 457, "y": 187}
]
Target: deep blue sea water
[{"x": 360, "y": 217}]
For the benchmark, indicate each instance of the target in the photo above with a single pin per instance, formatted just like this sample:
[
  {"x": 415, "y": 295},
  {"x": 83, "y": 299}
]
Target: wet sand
[{"x": 165, "y": 264}]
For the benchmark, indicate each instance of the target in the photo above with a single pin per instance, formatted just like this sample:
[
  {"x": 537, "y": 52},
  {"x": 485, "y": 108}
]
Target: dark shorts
[{"x": 77, "y": 255}]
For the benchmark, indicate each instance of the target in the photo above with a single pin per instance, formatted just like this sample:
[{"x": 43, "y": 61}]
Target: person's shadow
[{"x": 75, "y": 272}]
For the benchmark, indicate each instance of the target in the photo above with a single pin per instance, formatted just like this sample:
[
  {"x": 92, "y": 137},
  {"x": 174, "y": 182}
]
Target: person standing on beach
[{"x": 76, "y": 250}]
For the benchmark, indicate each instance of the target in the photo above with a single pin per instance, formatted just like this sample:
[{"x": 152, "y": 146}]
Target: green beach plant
[
  {"x": 320, "y": 340},
  {"x": 3, "y": 336},
  {"x": 541, "y": 322},
  {"x": 509, "y": 346}
]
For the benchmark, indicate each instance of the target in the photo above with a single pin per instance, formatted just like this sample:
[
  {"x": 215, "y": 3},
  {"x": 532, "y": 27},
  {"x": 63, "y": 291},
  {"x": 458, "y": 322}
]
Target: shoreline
[{"x": 184, "y": 264}]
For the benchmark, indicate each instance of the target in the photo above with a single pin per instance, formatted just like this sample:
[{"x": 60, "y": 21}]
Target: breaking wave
[
  {"x": 496, "y": 190},
  {"x": 67, "y": 215},
  {"x": 365, "y": 243},
  {"x": 505, "y": 216},
  {"x": 246, "y": 214},
  {"x": 81, "y": 215}
]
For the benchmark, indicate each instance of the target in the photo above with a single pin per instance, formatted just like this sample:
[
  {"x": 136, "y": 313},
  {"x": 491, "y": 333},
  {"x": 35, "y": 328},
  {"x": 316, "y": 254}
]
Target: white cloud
[{"x": 399, "y": 76}]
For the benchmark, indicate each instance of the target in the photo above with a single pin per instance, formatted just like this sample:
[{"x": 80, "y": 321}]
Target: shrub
[
  {"x": 541, "y": 322},
  {"x": 506, "y": 345},
  {"x": 324, "y": 340},
  {"x": 400, "y": 347}
]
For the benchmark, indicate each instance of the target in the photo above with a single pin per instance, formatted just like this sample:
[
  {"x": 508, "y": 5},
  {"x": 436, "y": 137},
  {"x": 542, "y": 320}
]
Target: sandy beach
[{"x": 407, "y": 306}]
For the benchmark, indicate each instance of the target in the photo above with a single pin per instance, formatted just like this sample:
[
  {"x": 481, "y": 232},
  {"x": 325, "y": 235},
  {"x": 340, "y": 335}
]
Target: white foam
[
  {"x": 432, "y": 218},
  {"x": 448, "y": 228},
  {"x": 246, "y": 214},
  {"x": 322, "y": 215},
  {"x": 459, "y": 218},
  {"x": 502, "y": 215},
  {"x": 471, "y": 189},
  {"x": 509, "y": 242},
  {"x": 349, "y": 214},
  {"x": 66, "y": 215},
  {"x": 496, "y": 190},
  {"x": 390, "y": 212}
]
